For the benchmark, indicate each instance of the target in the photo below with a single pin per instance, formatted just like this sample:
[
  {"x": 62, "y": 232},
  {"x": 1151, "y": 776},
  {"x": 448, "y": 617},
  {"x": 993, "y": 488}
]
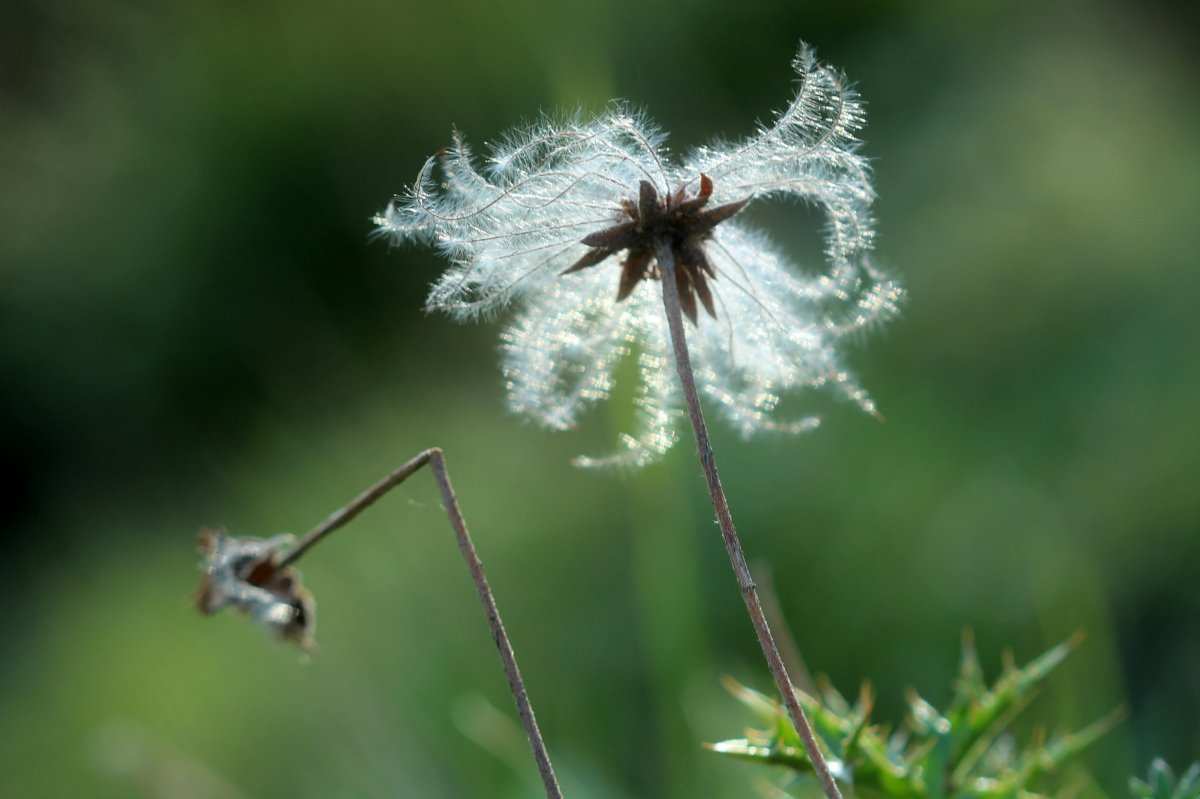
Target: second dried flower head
[
  {"x": 562, "y": 221},
  {"x": 244, "y": 573}
]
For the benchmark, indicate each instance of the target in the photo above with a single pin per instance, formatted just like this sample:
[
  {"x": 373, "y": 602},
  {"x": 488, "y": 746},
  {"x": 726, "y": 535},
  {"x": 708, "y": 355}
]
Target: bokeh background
[{"x": 195, "y": 330}]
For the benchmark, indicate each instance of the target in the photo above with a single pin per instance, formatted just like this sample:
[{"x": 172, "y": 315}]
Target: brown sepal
[
  {"x": 617, "y": 237},
  {"x": 715, "y": 216},
  {"x": 632, "y": 272},
  {"x": 687, "y": 296},
  {"x": 703, "y": 292},
  {"x": 589, "y": 258}
]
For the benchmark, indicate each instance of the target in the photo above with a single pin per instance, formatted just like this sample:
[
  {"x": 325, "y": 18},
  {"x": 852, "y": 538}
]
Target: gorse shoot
[{"x": 967, "y": 750}]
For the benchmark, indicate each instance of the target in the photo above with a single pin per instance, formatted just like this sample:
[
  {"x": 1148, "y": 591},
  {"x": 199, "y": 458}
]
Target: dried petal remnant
[
  {"x": 242, "y": 572},
  {"x": 677, "y": 219}
]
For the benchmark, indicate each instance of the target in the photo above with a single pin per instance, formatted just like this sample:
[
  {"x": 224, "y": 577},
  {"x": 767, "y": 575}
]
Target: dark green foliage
[{"x": 968, "y": 750}]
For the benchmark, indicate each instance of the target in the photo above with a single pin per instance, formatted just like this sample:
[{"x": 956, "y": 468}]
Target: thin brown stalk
[
  {"x": 733, "y": 546},
  {"x": 345, "y": 514},
  {"x": 436, "y": 462}
]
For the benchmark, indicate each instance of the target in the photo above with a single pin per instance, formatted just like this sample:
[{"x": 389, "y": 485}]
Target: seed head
[
  {"x": 243, "y": 573},
  {"x": 555, "y": 204}
]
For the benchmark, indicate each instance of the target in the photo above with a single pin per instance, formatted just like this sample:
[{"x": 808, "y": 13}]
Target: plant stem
[
  {"x": 733, "y": 546},
  {"x": 515, "y": 683},
  {"x": 435, "y": 460},
  {"x": 343, "y": 515}
]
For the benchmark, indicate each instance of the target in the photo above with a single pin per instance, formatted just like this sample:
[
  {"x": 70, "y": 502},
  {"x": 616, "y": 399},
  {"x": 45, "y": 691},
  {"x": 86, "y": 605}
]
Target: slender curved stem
[
  {"x": 708, "y": 462},
  {"x": 436, "y": 461}
]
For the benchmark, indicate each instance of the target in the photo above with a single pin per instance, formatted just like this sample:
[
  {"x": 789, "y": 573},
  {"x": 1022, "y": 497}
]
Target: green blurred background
[{"x": 195, "y": 330}]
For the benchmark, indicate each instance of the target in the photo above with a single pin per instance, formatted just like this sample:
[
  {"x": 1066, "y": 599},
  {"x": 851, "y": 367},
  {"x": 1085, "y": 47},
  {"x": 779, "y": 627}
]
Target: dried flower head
[
  {"x": 558, "y": 199},
  {"x": 243, "y": 572}
]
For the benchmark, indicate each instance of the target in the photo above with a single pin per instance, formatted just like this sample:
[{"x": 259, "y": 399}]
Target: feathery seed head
[{"x": 554, "y": 201}]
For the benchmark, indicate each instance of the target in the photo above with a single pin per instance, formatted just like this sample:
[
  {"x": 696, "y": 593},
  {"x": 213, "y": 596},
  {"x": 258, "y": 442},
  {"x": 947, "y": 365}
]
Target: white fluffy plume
[{"x": 510, "y": 228}]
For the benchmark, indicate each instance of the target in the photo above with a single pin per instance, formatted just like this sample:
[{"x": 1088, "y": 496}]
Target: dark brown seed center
[{"x": 678, "y": 221}]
